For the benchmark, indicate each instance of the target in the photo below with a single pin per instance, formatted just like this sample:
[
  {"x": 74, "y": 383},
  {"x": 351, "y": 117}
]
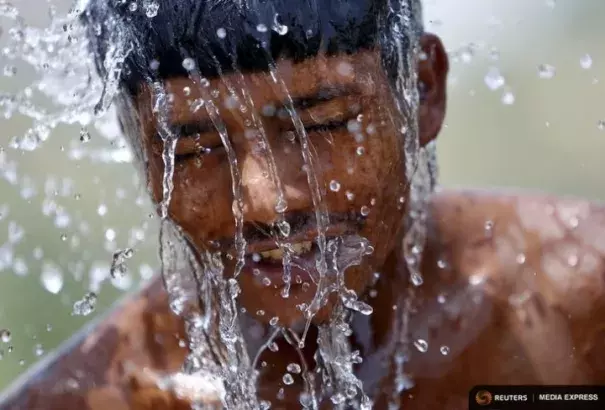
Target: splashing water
[
  {"x": 321, "y": 212},
  {"x": 200, "y": 290},
  {"x": 86, "y": 305},
  {"x": 421, "y": 171},
  {"x": 118, "y": 265}
]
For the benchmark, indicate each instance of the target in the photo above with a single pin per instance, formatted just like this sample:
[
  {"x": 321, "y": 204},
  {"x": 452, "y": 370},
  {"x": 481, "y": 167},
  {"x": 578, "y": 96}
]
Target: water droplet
[
  {"x": 288, "y": 379},
  {"x": 51, "y": 278},
  {"x": 63, "y": 237},
  {"x": 305, "y": 399},
  {"x": 133, "y": 6},
  {"x": 494, "y": 54},
  {"x": 261, "y": 28},
  {"x": 84, "y": 135},
  {"x": 521, "y": 259},
  {"x": 350, "y": 195},
  {"x": 274, "y": 320},
  {"x": 279, "y": 28},
  {"x": 422, "y": 345},
  {"x": 476, "y": 279},
  {"x": 417, "y": 279},
  {"x": 293, "y": 368},
  {"x": 360, "y": 307},
  {"x": 281, "y": 206},
  {"x": 546, "y": 71},
  {"x": 467, "y": 54},
  {"x": 85, "y": 306},
  {"x": 5, "y": 335},
  {"x": 10, "y": 71},
  {"x": 151, "y": 7},
  {"x": 360, "y": 151},
  {"x": 445, "y": 350},
  {"x": 338, "y": 398},
  {"x": 204, "y": 82},
  {"x": 586, "y": 61},
  {"x": 284, "y": 228},
  {"x": 365, "y": 210},
  {"x": 508, "y": 98},
  {"x": 494, "y": 79},
  {"x": 118, "y": 265},
  {"x": 234, "y": 288},
  {"x": 38, "y": 350},
  {"x": 334, "y": 186},
  {"x": 489, "y": 228},
  {"x": 601, "y": 125},
  {"x": 188, "y": 64},
  {"x": 221, "y": 32}
]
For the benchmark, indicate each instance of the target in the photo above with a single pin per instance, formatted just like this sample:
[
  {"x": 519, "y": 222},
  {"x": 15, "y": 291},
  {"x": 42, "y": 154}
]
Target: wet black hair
[{"x": 219, "y": 35}]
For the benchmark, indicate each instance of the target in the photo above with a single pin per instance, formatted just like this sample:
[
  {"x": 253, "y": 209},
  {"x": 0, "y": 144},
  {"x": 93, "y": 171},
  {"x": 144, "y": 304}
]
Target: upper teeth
[{"x": 294, "y": 248}]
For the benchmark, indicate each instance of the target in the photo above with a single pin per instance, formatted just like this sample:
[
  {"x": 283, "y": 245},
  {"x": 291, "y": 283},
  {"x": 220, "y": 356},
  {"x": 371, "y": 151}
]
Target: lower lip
[{"x": 274, "y": 270}]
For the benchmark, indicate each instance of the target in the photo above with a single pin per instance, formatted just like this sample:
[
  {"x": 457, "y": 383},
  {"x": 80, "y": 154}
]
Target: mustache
[{"x": 301, "y": 224}]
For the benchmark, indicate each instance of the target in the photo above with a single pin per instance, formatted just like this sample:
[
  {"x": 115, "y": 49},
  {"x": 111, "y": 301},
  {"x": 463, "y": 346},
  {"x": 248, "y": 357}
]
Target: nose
[{"x": 261, "y": 190}]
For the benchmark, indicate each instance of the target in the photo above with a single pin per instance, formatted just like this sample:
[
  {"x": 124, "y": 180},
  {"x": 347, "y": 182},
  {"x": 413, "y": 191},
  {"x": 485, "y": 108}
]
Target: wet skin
[
  {"x": 500, "y": 340},
  {"x": 353, "y": 128},
  {"x": 504, "y": 275}
]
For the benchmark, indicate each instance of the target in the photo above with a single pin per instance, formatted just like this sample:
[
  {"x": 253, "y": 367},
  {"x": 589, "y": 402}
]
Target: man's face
[{"x": 355, "y": 136}]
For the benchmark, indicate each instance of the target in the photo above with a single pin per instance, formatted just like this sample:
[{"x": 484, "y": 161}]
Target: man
[{"x": 285, "y": 140}]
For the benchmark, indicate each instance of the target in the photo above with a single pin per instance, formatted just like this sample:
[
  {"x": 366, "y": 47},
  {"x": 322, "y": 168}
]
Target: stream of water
[{"x": 200, "y": 290}]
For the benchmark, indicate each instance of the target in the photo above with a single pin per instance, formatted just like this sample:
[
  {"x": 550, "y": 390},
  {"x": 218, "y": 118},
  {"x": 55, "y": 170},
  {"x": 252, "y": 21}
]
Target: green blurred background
[{"x": 61, "y": 218}]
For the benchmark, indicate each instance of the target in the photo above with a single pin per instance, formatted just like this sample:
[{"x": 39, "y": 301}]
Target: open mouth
[
  {"x": 268, "y": 265},
  {"x": 266, "y": 251},
  {"x": 277, "y": 254}
]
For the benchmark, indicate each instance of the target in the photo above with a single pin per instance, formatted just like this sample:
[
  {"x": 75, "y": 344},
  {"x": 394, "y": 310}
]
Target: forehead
[{"x": 355, "y": 74}]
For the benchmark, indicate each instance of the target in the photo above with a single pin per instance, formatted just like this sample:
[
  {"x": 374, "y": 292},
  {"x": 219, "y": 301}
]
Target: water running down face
[
  {"x": 347, "y": 108},
  {"x": 346, "y": 104}
]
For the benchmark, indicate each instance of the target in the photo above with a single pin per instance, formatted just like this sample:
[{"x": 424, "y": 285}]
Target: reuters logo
[{"x": 483, "y": 397}]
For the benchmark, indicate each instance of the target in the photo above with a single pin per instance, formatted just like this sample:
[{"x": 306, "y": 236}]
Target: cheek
[
  {"x": 200, "y": 202},
  {"x": 371, "y": 169},
  {"x": 380, "y": 185},
  {"x": 155, "y": 174}
]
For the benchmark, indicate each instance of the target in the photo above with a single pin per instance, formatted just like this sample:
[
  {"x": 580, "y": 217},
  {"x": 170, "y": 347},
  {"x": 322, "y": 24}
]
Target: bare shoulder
[
  {"x": 527, "y": 242},
  {"x": 101, "y": 366},
  {"x": 524, "y": 279},
  {"x": 540, "y": 261}
]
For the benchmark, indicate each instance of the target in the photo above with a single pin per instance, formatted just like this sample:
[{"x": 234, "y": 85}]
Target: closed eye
[
  {"x": 190, "y": 147},
  {"x": 330, "y": 115},
  {"x": 327, "y": 126},
  {"x": 194, "y": 139}
]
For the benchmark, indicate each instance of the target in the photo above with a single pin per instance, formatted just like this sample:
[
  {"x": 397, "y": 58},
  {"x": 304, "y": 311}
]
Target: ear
[{"x": 432, "y": 83}]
